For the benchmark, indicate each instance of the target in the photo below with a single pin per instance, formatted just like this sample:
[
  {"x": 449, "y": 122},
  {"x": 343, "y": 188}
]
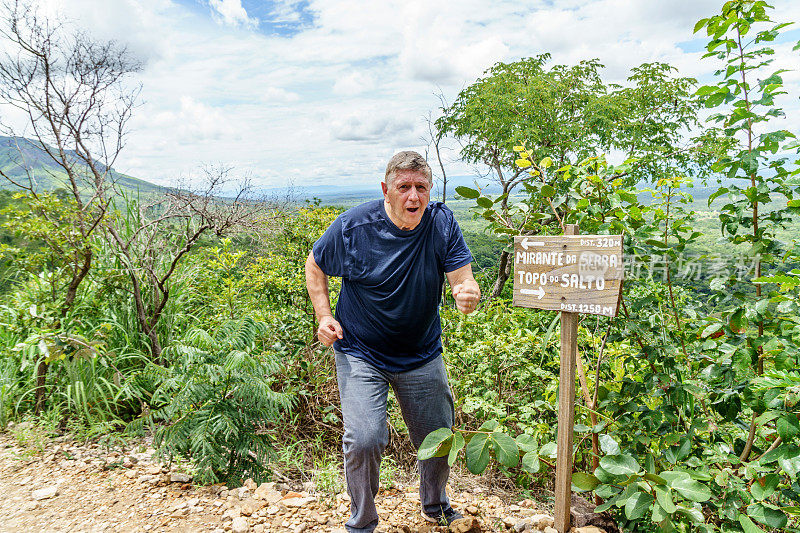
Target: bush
[{"x": 215, "y": 400}]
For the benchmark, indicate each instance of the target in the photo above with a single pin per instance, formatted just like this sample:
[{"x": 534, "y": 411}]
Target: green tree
[
  {"x": 563, "y": 114},
  {"x": 75, "y": 93}
]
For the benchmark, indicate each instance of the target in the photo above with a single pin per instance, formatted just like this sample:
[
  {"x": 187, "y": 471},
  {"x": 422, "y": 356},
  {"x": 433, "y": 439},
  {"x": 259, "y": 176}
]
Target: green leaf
[
  {"x": 695, "y": 515},
  {"x": 788, "y": 427},
  {"x": 655, "y": 478},
  {"x": 748, "y": 525},
  {"x": 710, "y": 330},
  {"x": 466, "y": 192},
  {"x": 700, "y": 24},
  {"x": 699, "y": 475},
  {"x": 603, "y": 507},
  {"x": 478, "y": 452},
  {"x": 608, "y": 445},
  {"x": 458, "y": 444},
  {"x": 549, "y": 450},
  {"x": 489, "y": 425},
  {"x": 659, "y": 514},
  {"x": 548, "y": 191},
  {"x": 664, "y": 497},
  {"x": 436, "y": 444},
  {"x": 583, "y": 482},
  {"x": 546, "y": 163},
  {"x": 763, "y": 488},
  {"x": 525, "y": 442},
  {"x": 738, "y": 321},
  {"x": 691, "y": 489},
  {"x": 522, "y": 163},
  {"x": 530, "y": 462},
  {"x": 637, "y": 505},
  {"x": 769, "y": 516},
  {"x": 505, "y": 449},
  {"x": 603, "y": 476},
  {"x": 620, "y": 465},
  {"x": 484, "y": 202},
  {"x": 666, "y": 526}
]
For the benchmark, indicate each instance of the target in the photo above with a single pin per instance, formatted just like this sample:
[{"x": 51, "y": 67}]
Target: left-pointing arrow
[{"x": 526, "y": 243}]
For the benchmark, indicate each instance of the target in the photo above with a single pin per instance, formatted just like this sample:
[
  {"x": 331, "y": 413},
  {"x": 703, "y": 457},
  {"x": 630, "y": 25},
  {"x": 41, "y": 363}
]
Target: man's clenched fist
[
  {"x": 467, "y": 296},
  {"x": 329, "y": 330}
]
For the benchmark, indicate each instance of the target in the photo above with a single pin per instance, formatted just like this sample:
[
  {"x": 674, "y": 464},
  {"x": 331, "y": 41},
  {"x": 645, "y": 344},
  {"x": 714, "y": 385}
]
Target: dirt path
[{"x": 60, "y": 485}]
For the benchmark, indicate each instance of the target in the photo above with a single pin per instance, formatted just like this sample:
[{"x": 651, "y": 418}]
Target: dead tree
[
  {"x": 73, "y": 93},
  {"x": 152, "y": 238}
]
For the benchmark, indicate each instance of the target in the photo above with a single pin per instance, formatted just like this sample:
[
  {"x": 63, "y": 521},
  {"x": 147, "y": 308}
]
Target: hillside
[{"x": 17, "y": 153}]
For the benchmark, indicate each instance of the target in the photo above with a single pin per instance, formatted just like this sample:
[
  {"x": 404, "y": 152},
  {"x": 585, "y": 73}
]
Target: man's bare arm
[
  {"x": 466, "y": 291},
  {"x": 317, "y": 284}
]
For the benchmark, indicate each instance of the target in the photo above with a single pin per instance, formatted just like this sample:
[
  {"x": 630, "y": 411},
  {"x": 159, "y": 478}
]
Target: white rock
[
  {"x": 297, "y": 502},
  {"x": 232, "y": 513},
  {"x": 180, "y": 477},
  {"x": 521, "y": 525},
  {"x": 541, "y": 521},
  {"x": 266, "y": 491},
  {"x": 45, "y": 493},
  {"x": 239, "y": 525}
]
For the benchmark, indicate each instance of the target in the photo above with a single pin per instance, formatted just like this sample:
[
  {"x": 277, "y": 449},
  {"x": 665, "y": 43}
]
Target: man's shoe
[{"x": 443, "y": 518}]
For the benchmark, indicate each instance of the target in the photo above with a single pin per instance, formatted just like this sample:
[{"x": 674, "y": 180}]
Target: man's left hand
[{"x": 467, "y": 296}]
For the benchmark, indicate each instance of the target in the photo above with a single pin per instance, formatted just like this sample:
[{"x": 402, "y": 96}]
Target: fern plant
[{"x": 214, "y": 400}]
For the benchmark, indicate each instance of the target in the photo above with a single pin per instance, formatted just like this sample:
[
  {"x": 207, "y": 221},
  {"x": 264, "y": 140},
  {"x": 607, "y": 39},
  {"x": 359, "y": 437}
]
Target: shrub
[{"x": 215, "y": 400}]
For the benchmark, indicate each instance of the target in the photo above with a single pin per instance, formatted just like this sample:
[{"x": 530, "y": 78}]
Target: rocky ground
[{"x": 59, "y": 485}]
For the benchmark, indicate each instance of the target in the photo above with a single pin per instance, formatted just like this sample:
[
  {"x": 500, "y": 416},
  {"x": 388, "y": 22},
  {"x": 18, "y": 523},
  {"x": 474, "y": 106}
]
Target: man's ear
[{"x": 384, "y": 188}]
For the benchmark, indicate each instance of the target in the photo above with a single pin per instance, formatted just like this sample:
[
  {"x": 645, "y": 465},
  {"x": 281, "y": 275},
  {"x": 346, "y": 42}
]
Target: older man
[{"x": 392, "y": 255}]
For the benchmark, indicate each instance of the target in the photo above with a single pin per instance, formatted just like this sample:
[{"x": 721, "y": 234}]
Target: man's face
[{"x": 406, "y": 198}]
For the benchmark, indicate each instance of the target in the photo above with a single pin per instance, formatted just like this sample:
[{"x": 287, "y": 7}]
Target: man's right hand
[{"x": 329, "y": 330}]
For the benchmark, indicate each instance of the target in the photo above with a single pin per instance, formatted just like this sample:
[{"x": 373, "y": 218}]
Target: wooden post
[{"x": 566, "y": 412}]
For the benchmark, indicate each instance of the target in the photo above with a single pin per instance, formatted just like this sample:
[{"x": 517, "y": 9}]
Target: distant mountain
[{"x": 17, "y": 153}]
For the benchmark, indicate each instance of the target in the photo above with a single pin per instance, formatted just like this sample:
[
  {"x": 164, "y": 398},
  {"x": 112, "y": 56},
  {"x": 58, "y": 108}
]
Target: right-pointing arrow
[{"x": 538, "y": 292}]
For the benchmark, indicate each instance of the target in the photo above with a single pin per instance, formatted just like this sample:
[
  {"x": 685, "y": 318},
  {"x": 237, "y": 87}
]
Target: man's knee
[{"x": 370, "y": 441}]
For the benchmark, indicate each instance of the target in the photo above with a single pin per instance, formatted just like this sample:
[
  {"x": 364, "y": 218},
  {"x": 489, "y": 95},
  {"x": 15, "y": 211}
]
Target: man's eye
[
  {"x": 404, "y": 187},
  {"x": 422, "y": 188}
]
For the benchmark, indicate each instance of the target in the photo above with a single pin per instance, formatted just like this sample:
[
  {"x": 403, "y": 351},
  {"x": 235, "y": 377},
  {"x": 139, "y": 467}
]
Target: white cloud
[
  {"x": 194, "y": 122},
  {"x": 232, "y": 13},
  {"x": 354, "y": 83},
  {"x": 279, "y": 95},
  {"x": 370, "y": 127},
  {"x": 339, "y": 95},
  {"x": 135, "y": 24}
]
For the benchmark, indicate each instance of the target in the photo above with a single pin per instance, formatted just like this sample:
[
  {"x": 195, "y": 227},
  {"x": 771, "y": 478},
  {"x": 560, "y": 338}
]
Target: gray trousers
[{"x": 426, "y": 403}]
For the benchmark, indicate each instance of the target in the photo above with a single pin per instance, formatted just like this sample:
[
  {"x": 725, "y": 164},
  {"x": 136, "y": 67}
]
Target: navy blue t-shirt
[{"x": 391, "y": 282}]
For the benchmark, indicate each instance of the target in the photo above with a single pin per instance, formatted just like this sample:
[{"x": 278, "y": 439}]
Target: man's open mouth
[{"x": 412, "y": 209}]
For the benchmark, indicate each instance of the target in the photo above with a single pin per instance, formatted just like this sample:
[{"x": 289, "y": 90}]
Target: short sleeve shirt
[{"x": 391, "y": 282}]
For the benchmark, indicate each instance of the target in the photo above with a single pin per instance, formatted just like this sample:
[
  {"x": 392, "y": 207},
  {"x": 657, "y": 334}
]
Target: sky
[{"x": 323, "y": 92}]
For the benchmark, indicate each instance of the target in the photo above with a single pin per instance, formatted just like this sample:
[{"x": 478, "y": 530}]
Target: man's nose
[{"x": 413, "y": 194}]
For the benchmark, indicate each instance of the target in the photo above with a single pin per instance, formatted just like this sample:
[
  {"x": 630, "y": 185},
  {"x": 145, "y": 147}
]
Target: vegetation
[
  {"x": 186, "y": 315},
  {"x": 692, "y": 419}
]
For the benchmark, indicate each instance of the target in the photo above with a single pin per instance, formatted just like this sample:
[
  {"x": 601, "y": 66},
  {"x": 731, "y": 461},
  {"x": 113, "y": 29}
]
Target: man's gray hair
[{"x": 407, "y": 160}]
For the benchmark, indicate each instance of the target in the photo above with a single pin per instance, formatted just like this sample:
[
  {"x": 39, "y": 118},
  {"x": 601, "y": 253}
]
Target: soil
[{"x": 60, "y": 485}]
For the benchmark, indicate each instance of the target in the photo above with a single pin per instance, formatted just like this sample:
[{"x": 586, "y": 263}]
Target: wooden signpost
[{"x": 573, "y": 274}]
